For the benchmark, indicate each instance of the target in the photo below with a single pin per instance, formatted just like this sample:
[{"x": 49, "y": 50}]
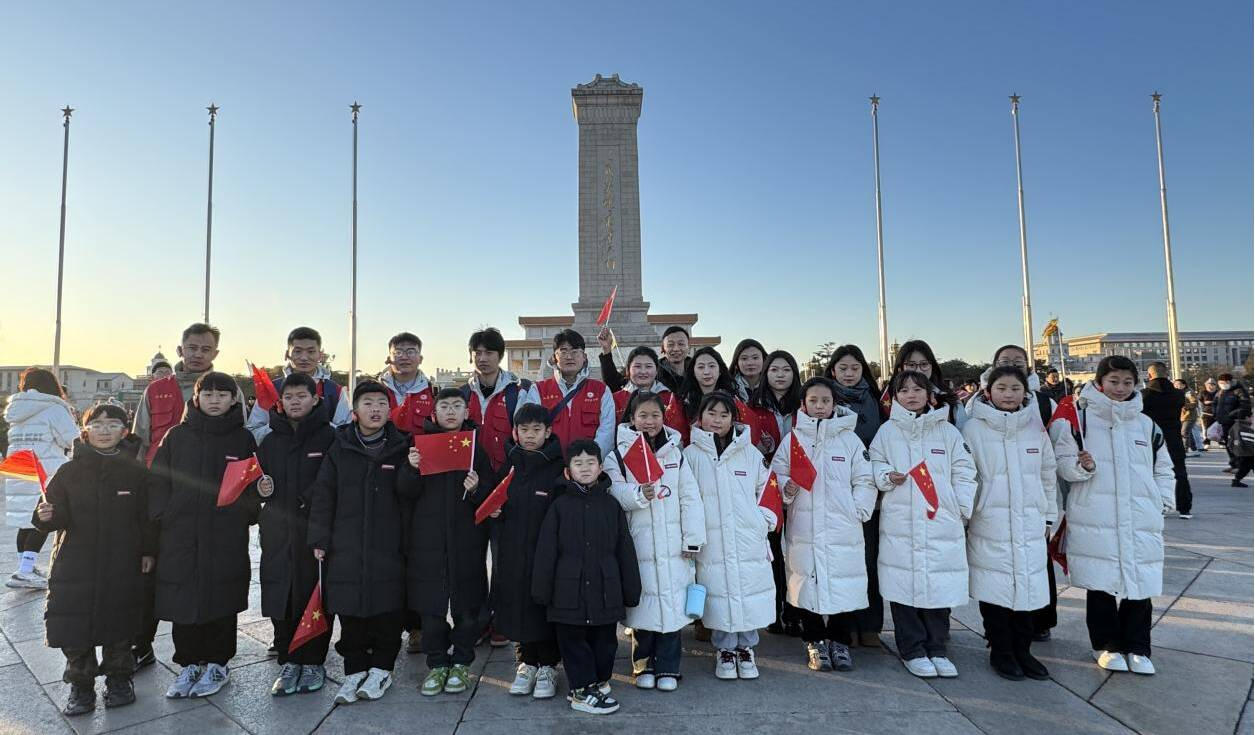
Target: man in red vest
[
  {"x": 410, "y": 393},
  {"x": 581, "y": 407},
  {"x": 493, "y": 395},
  {"x": 305, "y": 355}
]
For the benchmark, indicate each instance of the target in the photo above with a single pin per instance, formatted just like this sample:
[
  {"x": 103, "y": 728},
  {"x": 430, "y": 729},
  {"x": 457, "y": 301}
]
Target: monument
[{"x": 606, "y": 111}]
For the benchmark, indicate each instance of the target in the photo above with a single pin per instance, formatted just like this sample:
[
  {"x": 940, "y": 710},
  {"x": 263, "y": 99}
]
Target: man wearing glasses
[
  {"x": 581, "y": 407},
  {"x": 305, "y": 355},
  {"x": 410, "y": 393}
]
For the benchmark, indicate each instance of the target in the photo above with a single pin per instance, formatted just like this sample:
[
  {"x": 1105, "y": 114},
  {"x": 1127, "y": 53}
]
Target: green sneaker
[
  {"x": 435, "y": 681},
  {"x": 459, "y": 675}
]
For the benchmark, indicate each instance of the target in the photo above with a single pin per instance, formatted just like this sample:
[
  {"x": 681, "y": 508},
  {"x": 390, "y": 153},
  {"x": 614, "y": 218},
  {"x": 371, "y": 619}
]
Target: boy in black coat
[
  {"x": 586, "y": 575},
  {"x": 536, "y": 460},
  {"x": 446, "y": 557},
  {"x": 97, "y": 504},
  {"x": 203, "y": 567},
  {"x": 291, "y": 455},
  {"x": 355, "y": 527}
]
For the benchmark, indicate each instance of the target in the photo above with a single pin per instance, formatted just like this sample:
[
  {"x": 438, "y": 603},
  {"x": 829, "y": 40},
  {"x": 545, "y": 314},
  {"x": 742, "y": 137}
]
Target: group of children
[{"x": 608, "y": 524}]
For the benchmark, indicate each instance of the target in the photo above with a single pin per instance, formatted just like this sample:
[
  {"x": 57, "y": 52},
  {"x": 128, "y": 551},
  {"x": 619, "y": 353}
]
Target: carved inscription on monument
[{"x": 608, "y": 189}]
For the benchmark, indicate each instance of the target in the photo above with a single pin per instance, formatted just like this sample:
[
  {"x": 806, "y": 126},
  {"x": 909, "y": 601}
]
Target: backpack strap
[{"x": 512, "y": 396}]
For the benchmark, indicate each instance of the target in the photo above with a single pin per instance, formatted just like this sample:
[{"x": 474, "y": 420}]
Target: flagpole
[
  {"x": 209, "y": 206},
  {"x": 1019, "y": 188},
  {"x": 1174, "y": 344},
  {"x": 65, "y": 170},
  {"x": 880, "y": 242},
  {"x": 354, "y": 109}
]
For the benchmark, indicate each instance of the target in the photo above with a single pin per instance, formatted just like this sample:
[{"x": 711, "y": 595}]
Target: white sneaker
[
  {"x": 604, "y": 687},
  {"x": 746, "y": 668},
  {"x": 646, "y": 681},
  {"x": 39, "y": 572},
  {"x": 725, "y": 665},
  {"x": 184, "y": 682},
  {"x": 28, "y": 581},
  {"x": 547, "y": 683},
  {"x": 348, "y": 690},
  {"x": 945, "y": 668},
  {"x": 377, "y": 682},
  {"x": 667, "y": 683},
  {"x": 214, "y": 678},
  {"x": 1111, "y": 660},
  {"x": 921, "y": 667},
  {"x": 1140, "y": 664},
  {"x": 524, "y": 680}
]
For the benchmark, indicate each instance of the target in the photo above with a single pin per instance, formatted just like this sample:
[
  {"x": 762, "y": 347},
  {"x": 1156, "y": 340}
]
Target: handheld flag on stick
[
  {"x": 25, "y": 465},
  {"x": 801, "y": 469},
  {"x": 924, "y": 481},
  {"x": 886, "y": 402},
  {"x": 1057, "y": 546},
  {"x": 313, "y": 621},
  {"x": 641, "y": 461},
  {"x": 604, "y": 315},
  {"x": 263, "y": 389},
  {"x": 237, "y": 476},
  {"x": 772, "y": 500},
  {"x": 1066, "y": 410},
  {"x": 495, "y": 500},
  {"x": 445, "y": 452}
]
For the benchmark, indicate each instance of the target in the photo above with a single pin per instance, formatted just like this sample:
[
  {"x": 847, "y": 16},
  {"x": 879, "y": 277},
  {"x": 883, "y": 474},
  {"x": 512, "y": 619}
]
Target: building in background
[
  {"x": 455, "y": 378},
  {"x": 83, "y": 386},
  {"x": 527, "y": 356},
  {"x": 1222, "y": 349}
]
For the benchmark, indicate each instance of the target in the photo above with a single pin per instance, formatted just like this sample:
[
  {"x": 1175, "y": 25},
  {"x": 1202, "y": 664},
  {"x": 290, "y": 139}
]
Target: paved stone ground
[{"x": 1202, "y": 639}]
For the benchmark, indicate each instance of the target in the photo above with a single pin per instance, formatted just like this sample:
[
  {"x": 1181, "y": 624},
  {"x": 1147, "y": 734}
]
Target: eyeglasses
[
  {"x": 407, "y": 352},
  {"x": 918, "y": 367},
  {"x": 568, "y": 351},
  {"x": 114, "y": 425}
]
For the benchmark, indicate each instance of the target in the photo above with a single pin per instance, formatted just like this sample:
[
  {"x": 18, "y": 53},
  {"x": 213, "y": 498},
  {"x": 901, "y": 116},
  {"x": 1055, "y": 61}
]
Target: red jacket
[
  {"x": 409, "y": 415},
  {"x": 582, "y": 414},
  {"x": 165, "y": 411}
]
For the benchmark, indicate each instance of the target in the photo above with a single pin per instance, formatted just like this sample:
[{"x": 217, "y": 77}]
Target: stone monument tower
[{"x": 606, "y": 112}]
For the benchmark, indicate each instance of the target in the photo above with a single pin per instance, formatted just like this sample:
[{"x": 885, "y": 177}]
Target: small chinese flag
[
  {"x": 263, "y": 388},
  {"x": 886, "y": 402},
  {"x": 237, "y": 476},
  {"x": 1066, "y": 410},
  {"x": 772, "y": 500},
  {"x": 25, "y": 465},
  {"x": 313, "y": 622},
  {"x": 604, "y": 315},
  {"x": 924, "y": 482},
  {"x": 801, "y": 470},
  {"x": 674, "y": 415},
  {"x": 641, "y": 461},
  {"x": 1057, "y": 546},
  {"x": 447, "y": 452},
  {"x": 495, "y": 499}
]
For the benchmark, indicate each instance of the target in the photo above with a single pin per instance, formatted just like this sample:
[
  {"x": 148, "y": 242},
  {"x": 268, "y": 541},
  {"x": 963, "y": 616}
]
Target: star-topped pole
[
  {"x": 1174, "y": 343},
  {"x": 65, "y": 170},
  {"x": 354, "y": 110},
  {"x": 209, "y": 206},
  {"x": 882, "y": 318},
  {"x": 1026, "y": 300}
]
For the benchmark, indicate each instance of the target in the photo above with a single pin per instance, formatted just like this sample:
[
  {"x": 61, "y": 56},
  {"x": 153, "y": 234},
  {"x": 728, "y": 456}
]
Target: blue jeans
[{"x": 656, "y": 653}]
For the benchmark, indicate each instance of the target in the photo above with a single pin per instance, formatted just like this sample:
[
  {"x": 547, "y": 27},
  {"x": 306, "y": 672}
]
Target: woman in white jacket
[
  {"x": 668, "y": 529},
  {"x": 1122, "y": 481},
  {"x": 734, "y": 565},
  {"x": 39, "y": 420},
  {"x": 1015, "y": 503},
  {"x": 923, "y": 555},
  {"x": 823, "y": 542}
]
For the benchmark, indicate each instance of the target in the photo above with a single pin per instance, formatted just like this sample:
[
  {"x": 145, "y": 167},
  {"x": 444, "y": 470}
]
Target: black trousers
[
  {"x": 920, "y": 631},
  {"x": 1008, "y": 631},
  {"x": 538, "y": 653},
  {"x": 311, "y": 653},
  {"x": 82, "y": 668},
  {"x": 836, "y": 628},
  {"x": 587, "y": 652},
  {"x": 1048, "y": 616},
  {"x": 438, "y": 636},
  {"x": 1176, "y": 451},
  {"x": 655, "y": 653},
  {"x": 370, "y": 643},
  {"x": 1122, "y": 627},
  {"x": 30, "y": 539},
  {"x": 871, "y": 619},
  {"x": 1243, "y": 468},
  {"x": 205, "y": 643},
  {"x": 785, "y": 613}
]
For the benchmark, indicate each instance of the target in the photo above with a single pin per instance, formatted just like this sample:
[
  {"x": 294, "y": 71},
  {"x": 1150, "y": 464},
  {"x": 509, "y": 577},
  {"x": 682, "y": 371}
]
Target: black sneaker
[
  {"x": 817, "y": 657},
  {"x": 144, "y": 657},
  {"x": 591, "y": 701},
  {"x": 82, "y": 700},
  {"x": 1031, "y": 667},
  {"x": 119, "y": 692},
  {"x": 1042, "y": 636},
  {"x": 414, "y": 641}
]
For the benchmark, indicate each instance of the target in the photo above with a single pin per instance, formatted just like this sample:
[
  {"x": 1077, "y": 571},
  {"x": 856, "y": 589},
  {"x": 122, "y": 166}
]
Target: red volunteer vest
[
  {"x": 165, "y": 410},
  {"x": 582, "y": 414},
  {"x": 409, "y": 415},
  {"x": 495, "y": 428}
]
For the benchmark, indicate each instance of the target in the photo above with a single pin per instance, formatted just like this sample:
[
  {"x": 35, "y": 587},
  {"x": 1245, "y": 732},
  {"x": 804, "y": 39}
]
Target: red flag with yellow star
[
  {"x": 495, "y": 500},
  {"x": 801, "y": 469},
  {"x": 772, "y": 500},
  {"x": 313, "y": 623},
  {"x": 24, "y": 465},
  {"x": 264, "y": 389},
  {"x": 238, "y": 475},
  {"x": 454, "y": 450},
  {"x": 924, "y": 481}
]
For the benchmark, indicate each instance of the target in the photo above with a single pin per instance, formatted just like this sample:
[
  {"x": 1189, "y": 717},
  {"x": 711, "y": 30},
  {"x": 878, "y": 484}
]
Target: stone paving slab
[
  {"x": 1189, "y": 694},
  {"x": 861, "y": 723}
]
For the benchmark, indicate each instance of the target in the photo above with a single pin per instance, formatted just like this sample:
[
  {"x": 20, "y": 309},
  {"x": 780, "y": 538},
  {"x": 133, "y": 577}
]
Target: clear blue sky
[{"x": 756, "y": 171}]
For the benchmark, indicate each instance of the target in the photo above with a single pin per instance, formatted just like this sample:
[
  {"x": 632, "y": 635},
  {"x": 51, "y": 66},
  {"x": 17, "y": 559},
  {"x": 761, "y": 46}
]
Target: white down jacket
[
  {"x": 45, "y": 425},
  {"x": 824, "y": 563},
  {"x": 662, "y": 529},
  {"x": 1015, "y": 499},
  {"x": 1115, "y": 514},
  {"x": 735, "y": 563},
  {"x": 923, "y": 561}
]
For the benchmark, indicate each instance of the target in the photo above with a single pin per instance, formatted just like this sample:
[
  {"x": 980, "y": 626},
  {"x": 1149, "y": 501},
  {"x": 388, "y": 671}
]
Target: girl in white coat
[
  {"x": 923, "y": 557},
  {"x": 1121, "y": 483},
  {"x": 39, "y": 420},
  {"x": 823, "y": 541},
  {"x": 1015, "y": 503},
  {"x": 734, "y": 565},
  {"x": 668, "y": 529}
]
